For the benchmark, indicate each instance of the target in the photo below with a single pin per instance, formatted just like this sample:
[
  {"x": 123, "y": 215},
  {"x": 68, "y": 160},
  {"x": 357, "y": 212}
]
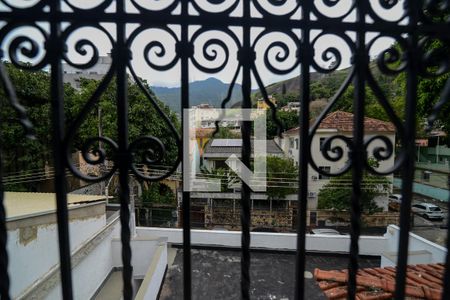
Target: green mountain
[
  {"x": 323, "y": 86},
  {"x": 211, "y": 91}
]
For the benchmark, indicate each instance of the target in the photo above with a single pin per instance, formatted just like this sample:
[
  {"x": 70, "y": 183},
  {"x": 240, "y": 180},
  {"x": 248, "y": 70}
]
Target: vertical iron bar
[
  {"x": 305, "y": 54},
  {"x": 4, "y": 278},
  {"x": 446, "y": 291},
  {"x": 57, "y": 101},
  {"x": 408, "y": 142},
  {"x": 185, "y": 52},
  {"x": 358, "y": 155},
  {"x": 246, "y": 59},
  {"x": 124, "y": 160}
]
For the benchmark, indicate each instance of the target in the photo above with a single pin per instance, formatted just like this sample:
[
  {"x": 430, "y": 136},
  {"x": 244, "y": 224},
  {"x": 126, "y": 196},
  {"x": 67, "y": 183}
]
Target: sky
[{"x": 171, "y": 78}]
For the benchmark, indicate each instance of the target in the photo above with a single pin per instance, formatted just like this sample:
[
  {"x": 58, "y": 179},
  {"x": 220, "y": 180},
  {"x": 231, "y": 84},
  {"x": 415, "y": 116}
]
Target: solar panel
[
  {"x": 226, "y": 143},
  {"x": 234, "y": 143}
]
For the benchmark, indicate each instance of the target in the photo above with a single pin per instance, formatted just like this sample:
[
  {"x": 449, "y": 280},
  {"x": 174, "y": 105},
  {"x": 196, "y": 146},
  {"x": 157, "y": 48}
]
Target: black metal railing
[{"x": 303, "y": 22}]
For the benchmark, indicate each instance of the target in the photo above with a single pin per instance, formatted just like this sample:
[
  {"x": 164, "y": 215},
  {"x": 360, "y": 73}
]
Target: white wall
[
  {"x": 416, "y": 243},
  {"x": 94, "y": 268},
  {"x": 155, "y": 275},
  {"x": 369, "y": 245},
  {"x": 102, "y": 67},
  {"x": 28, "y": 262},
  {"x": 90, "y": 273},
  {"x": 143, "y": 248},
  {"x": 95, "y": 248},
  {"x": 315, "y": 184}
]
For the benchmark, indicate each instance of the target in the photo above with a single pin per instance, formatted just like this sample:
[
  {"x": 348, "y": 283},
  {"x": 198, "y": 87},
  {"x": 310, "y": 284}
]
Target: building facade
[{"x": 336, "y": 123}]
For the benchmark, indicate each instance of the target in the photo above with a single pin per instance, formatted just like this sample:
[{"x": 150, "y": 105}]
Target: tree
[
  {"x": 144, "y": 120},
  {"x": 20, "y": 154},
  {"x": 33, "y": 90},
  {"x": 158, "y": 193},
  {"x": 429, "y": 89},
  {"x": 285, "y": 98},
  {"x": 227, "y": 133},
  {"x": 289, "y": 119},
  {"x": 226, "y": 177},
  {"x": 316, "y": 107},
  {"x": 337, "y": 193},
  {"x": 282, "y": 177}
]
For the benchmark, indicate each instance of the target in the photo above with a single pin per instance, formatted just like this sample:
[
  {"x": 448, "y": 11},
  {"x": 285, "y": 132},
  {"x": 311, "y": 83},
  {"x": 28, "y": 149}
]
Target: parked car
[
  {"x": 397, "y": 198},
  {"x": 325, "y": 231},
  {"x": 428, "y": 211}
]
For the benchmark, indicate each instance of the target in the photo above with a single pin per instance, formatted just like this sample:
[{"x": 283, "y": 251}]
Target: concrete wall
[
  {"x": 96, "y": 259},
  {"x": 95, "y": 252},
  {"x": 33, "y": 243},
  {"x": 143, "y": 248},
  {"x": 155, "y": 275},
  {"x": 369, "y": 245},
  {"x": 91, "y": 266},
  {"x": 416, "y": 244}
]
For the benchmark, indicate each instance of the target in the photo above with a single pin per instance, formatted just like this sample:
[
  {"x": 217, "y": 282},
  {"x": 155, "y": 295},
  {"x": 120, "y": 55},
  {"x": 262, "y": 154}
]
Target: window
[
  {"x": 426, "y": 175},
  {"x": 291, "y": 143},
  {"x": 324, "y": 169},
  {"x": 296, "y": 144},
  {"x": 434, "y": 208},
  {"x": 322, "y": 142}
]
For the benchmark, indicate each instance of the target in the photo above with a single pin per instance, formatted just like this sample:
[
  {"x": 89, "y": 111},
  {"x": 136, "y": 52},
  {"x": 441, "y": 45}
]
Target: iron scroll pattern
[{"x": 192, "y": 26}]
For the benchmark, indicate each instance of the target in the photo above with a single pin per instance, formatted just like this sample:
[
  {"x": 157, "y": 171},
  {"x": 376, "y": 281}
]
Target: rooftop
[
  {"x": 422, "y": 282},
  {"x": 23, "y": 204},
  {"x": 216, "y": 274},
  {"x": 343, "y": 121}
]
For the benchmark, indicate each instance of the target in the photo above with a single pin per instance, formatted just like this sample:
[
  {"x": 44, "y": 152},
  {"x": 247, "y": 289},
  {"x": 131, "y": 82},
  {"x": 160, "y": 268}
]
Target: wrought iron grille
[{"x": 303, "y": 22}]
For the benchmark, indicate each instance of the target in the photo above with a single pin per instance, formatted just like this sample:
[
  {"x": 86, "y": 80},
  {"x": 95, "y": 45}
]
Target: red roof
[
  {"x": 343, "y": 121},
  {"x": 422, "y": 282}
]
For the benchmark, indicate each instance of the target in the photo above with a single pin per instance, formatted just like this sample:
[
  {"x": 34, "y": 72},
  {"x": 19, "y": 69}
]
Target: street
[{"x": 432, "y": 230}]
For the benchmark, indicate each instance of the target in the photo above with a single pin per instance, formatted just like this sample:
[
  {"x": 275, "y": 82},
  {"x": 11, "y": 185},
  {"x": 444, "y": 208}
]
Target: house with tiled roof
[{"x": 335, "y": 123}]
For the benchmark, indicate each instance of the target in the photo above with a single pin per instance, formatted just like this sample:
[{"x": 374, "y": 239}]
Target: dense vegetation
[
  {"x": 323, "y": 87},
  {"x": 281, "y": 177},
  {"x": 337, "y": 193},
  {"x": 33, "y": 90}
]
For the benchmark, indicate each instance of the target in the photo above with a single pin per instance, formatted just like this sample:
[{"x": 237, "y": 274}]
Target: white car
[
  {"x": 328, "y": 231},
  {"x": 428, "y": 211},
  {"x": 397, "y": 198}
]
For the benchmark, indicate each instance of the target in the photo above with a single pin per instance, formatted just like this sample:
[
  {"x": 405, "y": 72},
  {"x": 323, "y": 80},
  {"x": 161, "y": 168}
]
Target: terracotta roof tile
[
  {"x": 373, "y": 295},
  {"x": 343, "y": 121},
  {"x": 422, "y": 282}
]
